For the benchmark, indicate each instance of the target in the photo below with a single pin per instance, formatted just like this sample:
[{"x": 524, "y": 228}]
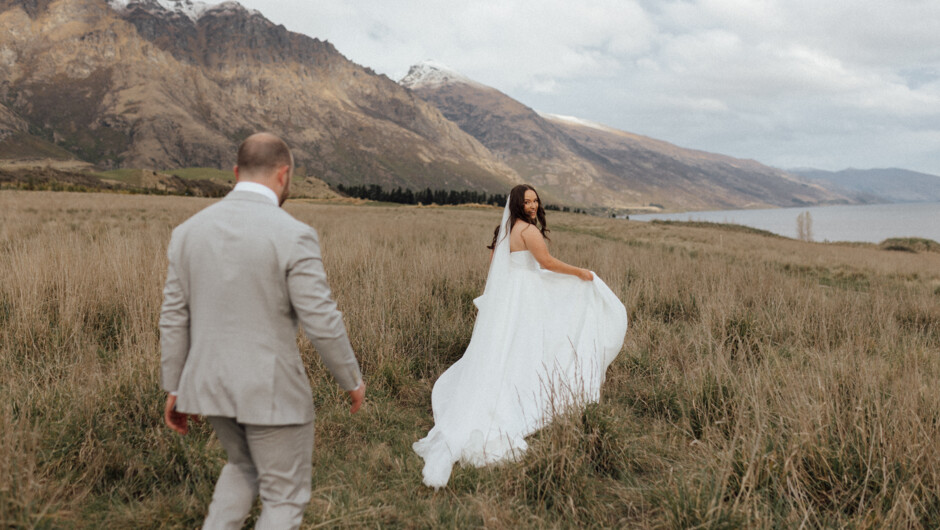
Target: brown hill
[
  {"x": 138, "y": 85},
  {"x": 597, "y": 165}
]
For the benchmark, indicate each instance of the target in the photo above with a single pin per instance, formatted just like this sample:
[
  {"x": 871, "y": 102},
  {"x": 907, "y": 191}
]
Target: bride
[{"x": 544, "y": 335}]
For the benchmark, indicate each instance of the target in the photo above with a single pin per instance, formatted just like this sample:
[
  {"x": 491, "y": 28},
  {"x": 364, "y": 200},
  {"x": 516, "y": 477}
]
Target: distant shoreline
[{"x": 870, "y": 223}]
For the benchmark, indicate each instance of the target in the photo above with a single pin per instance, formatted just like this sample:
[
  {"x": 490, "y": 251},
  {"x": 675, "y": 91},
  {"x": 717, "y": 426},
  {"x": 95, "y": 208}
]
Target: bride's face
[{"x": 531, "y": 204}]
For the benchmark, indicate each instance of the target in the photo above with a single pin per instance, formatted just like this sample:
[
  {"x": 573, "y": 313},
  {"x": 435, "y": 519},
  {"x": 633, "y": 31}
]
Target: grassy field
[
  {"x": 204, "y": 173},
  {"x": 764, "y": 382},
  {"x": 127, "y": 175},
  {"x": 132, "y": 176}
]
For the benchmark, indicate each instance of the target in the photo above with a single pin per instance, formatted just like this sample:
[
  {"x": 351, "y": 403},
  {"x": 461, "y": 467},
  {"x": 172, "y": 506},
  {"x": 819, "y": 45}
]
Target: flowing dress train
[{"x": 541, "y": 343}]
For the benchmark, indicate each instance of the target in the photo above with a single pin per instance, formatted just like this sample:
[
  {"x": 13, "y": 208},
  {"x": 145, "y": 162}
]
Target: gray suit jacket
[{"x": 241, "y": 274}]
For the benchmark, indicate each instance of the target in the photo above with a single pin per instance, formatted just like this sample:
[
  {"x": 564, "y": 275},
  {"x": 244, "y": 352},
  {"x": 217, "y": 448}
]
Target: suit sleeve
[
  {"x": 174, "y": 328},
  {"x": 321, "y": 320}
]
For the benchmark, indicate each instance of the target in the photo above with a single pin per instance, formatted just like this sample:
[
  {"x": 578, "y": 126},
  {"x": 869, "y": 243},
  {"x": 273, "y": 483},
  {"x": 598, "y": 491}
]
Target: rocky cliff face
[
  {"x": 10, "y": 123},
  {"x": 166, "y": 83},
  {"x": 592, "y": 164}
]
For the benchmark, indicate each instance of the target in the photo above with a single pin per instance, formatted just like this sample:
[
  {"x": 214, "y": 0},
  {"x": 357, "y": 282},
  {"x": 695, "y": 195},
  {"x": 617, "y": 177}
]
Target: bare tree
[{"x": 804, "y": 226}]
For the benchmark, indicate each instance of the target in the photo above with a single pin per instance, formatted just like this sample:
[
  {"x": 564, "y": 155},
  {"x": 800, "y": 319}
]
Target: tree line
[{"x": 375, "y": 192}]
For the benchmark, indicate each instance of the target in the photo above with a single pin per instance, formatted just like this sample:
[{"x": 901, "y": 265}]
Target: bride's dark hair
[{"x": 517, "y": 211}]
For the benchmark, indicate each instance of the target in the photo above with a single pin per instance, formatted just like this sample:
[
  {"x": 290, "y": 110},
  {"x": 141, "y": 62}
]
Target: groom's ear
[{"x": 283, "y": 174}]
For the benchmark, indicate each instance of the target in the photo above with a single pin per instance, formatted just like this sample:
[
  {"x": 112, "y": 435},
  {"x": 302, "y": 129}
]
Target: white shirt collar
[{"x": 254, "y": 187}]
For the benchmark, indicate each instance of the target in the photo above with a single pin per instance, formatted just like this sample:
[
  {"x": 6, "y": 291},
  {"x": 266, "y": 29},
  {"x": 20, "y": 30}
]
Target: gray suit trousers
[{"x": 273, "y": 462}]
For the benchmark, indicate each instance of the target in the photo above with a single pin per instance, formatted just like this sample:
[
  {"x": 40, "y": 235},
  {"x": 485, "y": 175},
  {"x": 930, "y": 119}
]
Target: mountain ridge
[
  {"x": 891, "y": 185},
  {"x": 592, "y": 162}
]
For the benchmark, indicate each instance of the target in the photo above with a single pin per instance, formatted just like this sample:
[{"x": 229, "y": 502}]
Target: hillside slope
[{"x": 880, "y": 185}]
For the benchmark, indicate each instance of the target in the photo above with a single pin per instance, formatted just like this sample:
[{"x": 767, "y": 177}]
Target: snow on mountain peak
[
  {"x": 432, "y": 74},
  {"x": 193, "y": 10},
  {"x": 576, "y": 121}
]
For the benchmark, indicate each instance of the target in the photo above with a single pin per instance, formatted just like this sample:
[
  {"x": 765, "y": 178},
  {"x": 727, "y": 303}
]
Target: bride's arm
[{"x": 535, "y": 243}]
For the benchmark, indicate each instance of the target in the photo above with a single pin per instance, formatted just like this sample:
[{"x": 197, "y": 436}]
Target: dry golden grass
[{"x": 764, "y": 382}]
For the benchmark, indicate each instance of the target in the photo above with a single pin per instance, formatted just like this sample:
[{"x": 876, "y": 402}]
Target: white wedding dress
[{"x": 541, "y": 343}]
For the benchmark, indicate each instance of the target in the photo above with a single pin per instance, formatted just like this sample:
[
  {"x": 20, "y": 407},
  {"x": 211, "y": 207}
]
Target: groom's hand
[
  {"x": 357, "y": 396},
  {"x": 177, "y": 421}
]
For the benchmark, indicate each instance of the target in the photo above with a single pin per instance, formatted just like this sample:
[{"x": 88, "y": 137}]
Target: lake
[{"x": 871, "y": 223}]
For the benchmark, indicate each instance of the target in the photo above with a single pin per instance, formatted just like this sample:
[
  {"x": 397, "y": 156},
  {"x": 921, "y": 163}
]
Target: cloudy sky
[{"x": 827, "y": 84}]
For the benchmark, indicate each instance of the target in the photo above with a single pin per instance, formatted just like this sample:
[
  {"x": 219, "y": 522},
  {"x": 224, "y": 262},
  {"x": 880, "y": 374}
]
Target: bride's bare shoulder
[{"x": 520, "y": 225}]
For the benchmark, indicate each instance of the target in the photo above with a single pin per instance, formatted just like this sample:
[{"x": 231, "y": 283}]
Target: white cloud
[
  {"x": 695, "y": 104},
  {"x": 837, "y": 84}
]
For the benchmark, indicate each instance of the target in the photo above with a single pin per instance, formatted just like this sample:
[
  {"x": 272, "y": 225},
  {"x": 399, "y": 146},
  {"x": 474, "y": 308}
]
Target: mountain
[
  {"x": 879, "y": 185},
  {"x": 164, "y": 84},
  {"x": 590, "y": 163},
  {"x": 174, "y": 83}
]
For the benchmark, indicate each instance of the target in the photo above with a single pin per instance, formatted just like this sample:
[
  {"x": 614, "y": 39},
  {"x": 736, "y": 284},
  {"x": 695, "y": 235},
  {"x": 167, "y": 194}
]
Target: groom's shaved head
[{"x": 262, "y": 153}]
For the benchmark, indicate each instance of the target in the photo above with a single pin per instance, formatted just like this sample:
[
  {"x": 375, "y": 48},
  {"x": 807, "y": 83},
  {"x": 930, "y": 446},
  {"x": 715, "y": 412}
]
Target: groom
[{"x": 242, "y": 274}]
